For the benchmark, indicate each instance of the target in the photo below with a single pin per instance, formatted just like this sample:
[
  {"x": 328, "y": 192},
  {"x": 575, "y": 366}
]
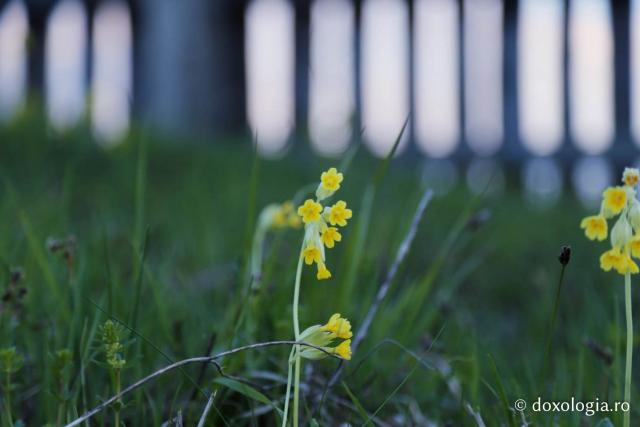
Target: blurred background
[
  {"x": 547, "y": 86},
  {"x": 126, "y": 129}
]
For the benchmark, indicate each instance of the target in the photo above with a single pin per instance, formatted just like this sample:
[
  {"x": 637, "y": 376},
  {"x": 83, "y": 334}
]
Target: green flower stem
[
  {"x": 296, "y": 395},
  {"x": 627, "y": 375},
  {"x": 117, "y": 411},
  {"x": 256, "y": 257},
  {"x": 296, "y": 330},
  {"x": 288, "y": 394}
]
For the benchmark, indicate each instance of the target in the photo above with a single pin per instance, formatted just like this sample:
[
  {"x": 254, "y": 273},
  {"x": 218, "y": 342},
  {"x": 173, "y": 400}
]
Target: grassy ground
[{"x": 162, "y": 238}]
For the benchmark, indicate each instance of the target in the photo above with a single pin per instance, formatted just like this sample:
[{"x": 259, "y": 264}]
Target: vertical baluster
[
  {"x": 90, "y": 8},
  {"x": 302, "y": 23},
  {"x": 462, "y": 150},
  {"x": 621, "y": 12},
  {"x": 357, "y": 71},
  {"x": 513, "y": 150},
  {"x": 411, "y": 129},
  {"x": 567, "y": 150},
  {"x": 38, "y": 13}
]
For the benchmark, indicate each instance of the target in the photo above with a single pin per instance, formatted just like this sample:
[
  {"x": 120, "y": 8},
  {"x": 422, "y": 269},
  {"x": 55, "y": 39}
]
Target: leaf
[
  {"x": 248, "y": 391},
  {"x": 501, "y": 392},
  {"x": 356, "y": 402}
]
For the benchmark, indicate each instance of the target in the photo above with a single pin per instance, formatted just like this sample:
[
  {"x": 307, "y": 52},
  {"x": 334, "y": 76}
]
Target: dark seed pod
[{"x": 565, "y": 255}]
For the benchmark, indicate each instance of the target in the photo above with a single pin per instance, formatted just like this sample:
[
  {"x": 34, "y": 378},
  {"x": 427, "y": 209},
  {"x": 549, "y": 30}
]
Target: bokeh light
[
  {"x": 269, "y": 45},
  {"x": 385, "y": 72},
  {"x": 66, "y": 63}
]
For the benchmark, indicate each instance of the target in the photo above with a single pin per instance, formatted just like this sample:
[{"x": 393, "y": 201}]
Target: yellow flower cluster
[
  {"x": 279, "y": 215},
  {"x": 320, "y": 222},
  {"x": 323, "y": 336},
  {"x": 625, "y": 234}
]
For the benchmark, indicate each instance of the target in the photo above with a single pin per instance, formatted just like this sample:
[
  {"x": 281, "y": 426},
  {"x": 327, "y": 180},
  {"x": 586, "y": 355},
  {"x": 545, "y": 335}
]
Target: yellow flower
[
  {"x": 294, "y": 221},
  {"x": 279, "y": 218},
  {"x": 614, "y": 199},
  {"x": 595, "y": 227},
  {"x": 628, "y": 266},
  {"x": 323, "y": 272},
  {"x": 339, "y": 214},
  {"x": 311, "y": 254},
  {"x": 330, "y": 235},
  {"x": 339, "y": 326},
  {"x": 331, "y": 179},
  {"x": 631, "y": 176},
  {"x": 310, "y": 211},
  {"x": 621, "y": 262},
  {"x": 343, "y": 350},
  {"x": 634, "y": 246},
  {"x": 610, "y": 259}
]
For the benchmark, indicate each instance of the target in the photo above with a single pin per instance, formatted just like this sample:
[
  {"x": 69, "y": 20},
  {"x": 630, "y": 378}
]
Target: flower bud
[
  {"x": 634, "y": 215},
  {"x": 621, "y": 232}
]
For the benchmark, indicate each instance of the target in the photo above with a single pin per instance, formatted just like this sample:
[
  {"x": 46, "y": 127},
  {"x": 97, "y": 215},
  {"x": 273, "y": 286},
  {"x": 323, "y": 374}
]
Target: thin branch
[
  {"x": 207, "y": 408},
  {"x": 403, "y": 250},
  {"x": 179, "y": 364}
]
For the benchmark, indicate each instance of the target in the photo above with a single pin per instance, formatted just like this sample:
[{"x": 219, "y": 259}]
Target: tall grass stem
[
  {"x": 552, "y": 324},
  {"x": 296, "y": 330},
  {"x": 629, "y": 361}
]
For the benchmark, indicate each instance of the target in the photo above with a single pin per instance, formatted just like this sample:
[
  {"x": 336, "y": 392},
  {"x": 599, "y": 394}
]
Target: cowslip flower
[
  {"x": 284, "y": 216},
  {"x": 329, "y": 183},
  {"x": 329, "y": 236},
  {"x": 630, "y": 177},
  {"x": 338, "y": 326},
  {"x": 320, "y": 221},
  {"x": 614, "y": 199},
  {"x": 310, "y": 211},
  {"x": 343, "y": 350},
  {"x": 339, "y": 214},
  {"x": 595, "y": 227},
  {"x": 274, "y": 217},
  {"x": 324, "y": 336},
  {"x": 618, "y": 201},
  {"x": 619, "y": 261},
  {"x": 319, "y": 233}
]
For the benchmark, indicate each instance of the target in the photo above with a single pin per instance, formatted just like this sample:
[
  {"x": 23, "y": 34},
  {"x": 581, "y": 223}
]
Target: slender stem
[
  {"x": 207, "y": 408},
  {"x": 627, "y": 374},
  {"x": 296, "y": 330},
  {"x": 288, "y": 393},
  {"x": 296, "y": 299},
  {"x": 256, "y": 258},
  {"x": 296, "y": 396},
  {"x": 554, "y": 315},
  {"x": 117, "y": 411},
  {"x": 60, "y": 414}
]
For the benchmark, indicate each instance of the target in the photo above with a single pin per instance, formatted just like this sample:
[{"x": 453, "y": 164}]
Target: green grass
[{"x": 163, "y": 232}]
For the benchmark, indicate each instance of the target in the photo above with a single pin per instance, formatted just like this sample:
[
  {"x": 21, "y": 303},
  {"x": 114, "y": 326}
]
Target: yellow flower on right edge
[{"x": 625, "y": 233}]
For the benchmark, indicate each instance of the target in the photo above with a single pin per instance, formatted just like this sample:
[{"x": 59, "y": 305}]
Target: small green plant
[
  {"x": 10, "y": 363},
  {"x": 61, "y": 362},
  {"x": 111, "y": 334}
]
